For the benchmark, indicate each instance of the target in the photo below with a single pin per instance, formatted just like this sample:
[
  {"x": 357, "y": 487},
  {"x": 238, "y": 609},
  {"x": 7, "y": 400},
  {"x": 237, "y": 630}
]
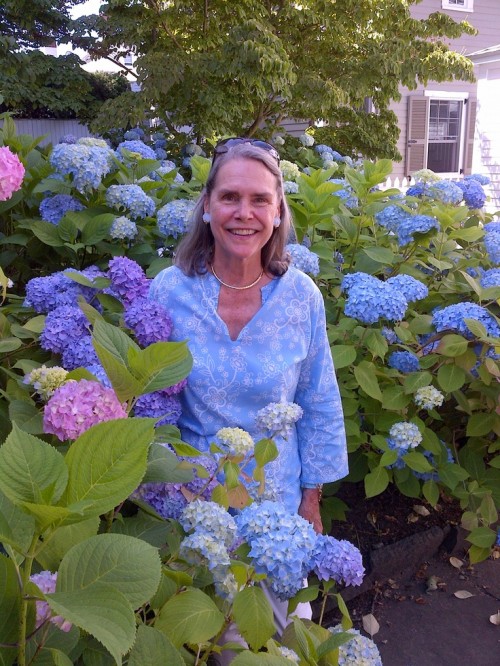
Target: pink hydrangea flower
[
  {"x": 76, "y": 406},
  {"x": 46, "y": 581},
  {"x": 11, "y": 173}
]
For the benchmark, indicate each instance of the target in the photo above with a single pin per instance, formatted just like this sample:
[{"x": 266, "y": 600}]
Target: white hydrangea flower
[
  {"x": 428, "y": 397},
  {"x": 289, "y": 170},
  {"x": 306, "y": 140},
  {"x": 278, "y": 418},
  {"x": 238, "y": 441},
  {"x": 46, "y": 380}
]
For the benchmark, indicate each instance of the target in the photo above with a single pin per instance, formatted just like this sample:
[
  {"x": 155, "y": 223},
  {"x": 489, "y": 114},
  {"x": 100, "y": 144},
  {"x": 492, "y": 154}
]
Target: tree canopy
[{"x": 242, "y": 67}]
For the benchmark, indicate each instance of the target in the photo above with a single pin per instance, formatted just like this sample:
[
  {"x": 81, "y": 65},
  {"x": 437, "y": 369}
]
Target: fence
[
  {"x": 399, "y": 183},
  {"x": 51, "y": 130}
]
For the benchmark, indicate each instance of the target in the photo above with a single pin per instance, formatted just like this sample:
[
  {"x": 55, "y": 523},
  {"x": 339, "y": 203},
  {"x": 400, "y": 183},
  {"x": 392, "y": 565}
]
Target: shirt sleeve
[{"x": 320, "y": 431}]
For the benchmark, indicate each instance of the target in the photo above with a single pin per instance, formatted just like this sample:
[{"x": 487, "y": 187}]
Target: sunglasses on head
[{"x": 226, "y": 144}]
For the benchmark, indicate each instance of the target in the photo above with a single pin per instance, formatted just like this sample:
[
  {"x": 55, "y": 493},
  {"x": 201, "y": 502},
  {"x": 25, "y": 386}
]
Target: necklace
[{"x": 231, "y": 286}]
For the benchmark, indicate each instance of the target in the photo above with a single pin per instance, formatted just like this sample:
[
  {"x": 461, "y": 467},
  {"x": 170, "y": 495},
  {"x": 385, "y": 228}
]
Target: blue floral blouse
[{"x": 281, "y": 354}]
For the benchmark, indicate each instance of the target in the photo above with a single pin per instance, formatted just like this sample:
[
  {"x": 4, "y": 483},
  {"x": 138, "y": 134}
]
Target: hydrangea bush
[{"x": 411, "y": 286}]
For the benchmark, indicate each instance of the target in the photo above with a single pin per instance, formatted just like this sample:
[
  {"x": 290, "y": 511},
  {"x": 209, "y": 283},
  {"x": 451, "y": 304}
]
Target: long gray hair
[{"x": 196, "y": 250}]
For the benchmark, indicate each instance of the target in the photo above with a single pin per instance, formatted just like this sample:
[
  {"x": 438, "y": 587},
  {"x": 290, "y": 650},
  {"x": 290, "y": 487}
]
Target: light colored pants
[{"x": 281, "y": 620}]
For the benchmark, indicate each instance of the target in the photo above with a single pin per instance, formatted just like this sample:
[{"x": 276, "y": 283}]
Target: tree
[
  {"x": 38, "y": 85},
  {"x": 242, "y": 67}
]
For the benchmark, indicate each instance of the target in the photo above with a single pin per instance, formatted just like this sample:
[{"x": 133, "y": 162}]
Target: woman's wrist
[{"x": 312, "y": 490}]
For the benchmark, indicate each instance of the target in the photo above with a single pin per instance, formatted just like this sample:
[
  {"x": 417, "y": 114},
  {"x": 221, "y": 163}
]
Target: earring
[
  {"x": 276, "y": 222},
  {"x": 207, "y": 218}
]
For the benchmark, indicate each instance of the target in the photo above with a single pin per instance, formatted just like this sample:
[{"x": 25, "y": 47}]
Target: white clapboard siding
[{"x": 51, "y": 130}]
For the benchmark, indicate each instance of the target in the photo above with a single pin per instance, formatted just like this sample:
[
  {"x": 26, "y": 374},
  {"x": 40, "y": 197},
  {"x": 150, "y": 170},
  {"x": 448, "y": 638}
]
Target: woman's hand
[{"x": 309, "y": 508}]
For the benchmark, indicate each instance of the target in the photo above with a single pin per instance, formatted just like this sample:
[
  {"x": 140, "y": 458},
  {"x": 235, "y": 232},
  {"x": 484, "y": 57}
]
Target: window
[
  {"x": 440, "y": 133},
  {"x": 458, "y": 5}
]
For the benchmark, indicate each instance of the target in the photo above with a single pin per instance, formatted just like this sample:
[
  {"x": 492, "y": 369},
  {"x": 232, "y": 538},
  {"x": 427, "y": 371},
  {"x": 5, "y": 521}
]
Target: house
[{"x": 438, "y": 121}]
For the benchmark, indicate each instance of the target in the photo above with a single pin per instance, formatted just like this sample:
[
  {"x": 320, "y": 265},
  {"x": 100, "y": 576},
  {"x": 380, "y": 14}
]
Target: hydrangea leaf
[
  {"x": 46, "y": 515},
  {"x": 100, "y": 610},
  {"x": 97, "y": 229},
  {"x": 30, "y": 469},
  {"x": 48, "y": 233},
  {"x": 152, "y": 647},
  {"x": 144, "y": 527},
  {"x": 130, "y": 565},
  {"x": 430, "y": 490},
  {"x": 160, "y": 365},
  {"x": 190, "y": 617},
  {"x": 417, "y": 380},
  {"x": 376, "y": 481},
  {"x": 365, "y": 374},
  {"x": 393, "y": 398},
  {"x": 26, "y": 416},
  {"x": 417, "y": 461},
  {"x": 247, "y": 658},
  {"x": 451, "y": 377},
  {"x": 452, "y": 345},
  {"x": 452, "y": 474},
  {"x": 10, "y": 605},
  {"x": 483, "y": 537},
  {"x": 17, "y": 527},
  {"x": 265, "y": 451},
  {"x": 253, "y": 615},
  {"x": 107, "y": 463},
  {"x": 343, "y": 356}
]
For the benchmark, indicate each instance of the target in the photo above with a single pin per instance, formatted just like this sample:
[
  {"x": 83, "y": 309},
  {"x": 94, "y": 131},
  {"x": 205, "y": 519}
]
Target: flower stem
[{"x": 23, "y": 615}]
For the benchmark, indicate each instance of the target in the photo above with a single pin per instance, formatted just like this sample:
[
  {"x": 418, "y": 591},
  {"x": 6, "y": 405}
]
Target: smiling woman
[{"x": 256, "y": 329}]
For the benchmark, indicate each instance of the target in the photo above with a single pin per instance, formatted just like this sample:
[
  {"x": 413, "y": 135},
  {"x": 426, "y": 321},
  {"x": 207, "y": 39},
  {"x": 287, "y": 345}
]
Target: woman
[{"x": 255, "y": 326}]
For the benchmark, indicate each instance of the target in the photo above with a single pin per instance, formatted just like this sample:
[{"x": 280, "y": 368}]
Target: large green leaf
[
  {"x": 376, "y": 481},
  {"x": 112, "y": 346},
  {"x": 160, "y": 365},
  {"x": 97, "y": 228},
  {"x": 452, "y": 345},
  {"x": 107, "y": 463},
  {"x": 145, "y": 527},
  {"x": 10, "y": 605},
  {"x": 26, "y": 416},
  {"x": 451, "y": 377},
  {"x": 366, "y": 377},
  {"x": 163, "y": 465},
  {"x": 190, "y": 617},
  {"x": 152, "y": 647},
  {"x": 30, "y": 469},
  {"x": 16, "y": 526},
  {"x": 253, "y": 615},
  {"x": 47, "y": 233},
  {"x": 130, "y": 565},
  {"x": 265, "y": 451},
  {"x": 343, "y": 355},
  {"x": 247, "y": 658},
  {"x": 60, "y": 540},
  {"x": 100, "y": 610}
]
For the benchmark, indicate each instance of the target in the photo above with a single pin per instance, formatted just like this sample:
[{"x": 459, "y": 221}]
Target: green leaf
[
  {"x": 60, "y": 540},
  {"x": 452, "y": 474},
  {"x": 30, "y": 469},
  {"x": 129, "y": 565},
  {"x": 343, "y": 356},
  {"x": 451, "y": 377},
  {"x": 480, "y": 424},
  {"x": 417, "y": 380},
  {"x": 376, "y": 481},
  {"x": 388, "y": 458},
  {"x": 17, "y": 527},
  {"x": 477, "y": 554},
  {"x": 253, "y": 615},
  {"x": 144, "y": 527},
  {"x": 483, "y": 537},
  {"x": 10, "y": 607},
  {"x": 247, "y": 658},
  {"x": 9, "y": 344},
  {"x": 160, "y": 365},
  {"x": 265, "y": 451},
  {"x": 47, "y": 233},
  {"x": 395, "y": 399},
  {"x": 100, "y": 610},
  {"x": 382, "y": 255},
  {"x": 190, "y": 617},
  {"x": 107, "y": 463},
  {"x": 200, "y": 167},
  {"x": 417, "y": 461},
  {"x": 430, "y": 490},
  {"x": 476, "y": 328},
  {"x": 365, "y": 374},
  {"x": 152, "y": 647},
  {"x": 97, "y": 228},
  {"x": 163, "y": 465},
  {"x": 67, "y": 229},
  {"x": 26, "y": 416},
  {"x": 452, "y": 345},
  {"x": 111, "y": 346}
]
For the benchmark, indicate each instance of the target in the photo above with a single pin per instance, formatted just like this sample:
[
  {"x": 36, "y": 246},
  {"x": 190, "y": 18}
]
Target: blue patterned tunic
[{"x": 281, "y": 354}]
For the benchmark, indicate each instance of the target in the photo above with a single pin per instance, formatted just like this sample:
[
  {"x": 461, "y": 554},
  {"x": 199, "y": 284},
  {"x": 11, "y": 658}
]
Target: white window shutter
[
  {"x": 469, "y": 134},
  {"x": 417, "y": 133}
]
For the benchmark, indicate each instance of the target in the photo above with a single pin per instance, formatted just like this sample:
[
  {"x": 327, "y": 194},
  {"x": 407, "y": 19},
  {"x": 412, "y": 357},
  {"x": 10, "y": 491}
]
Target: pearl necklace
[{"x": 231, "y": 286}]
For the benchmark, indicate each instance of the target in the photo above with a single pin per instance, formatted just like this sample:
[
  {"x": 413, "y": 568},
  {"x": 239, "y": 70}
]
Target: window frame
[
  {"x": 441, "y": 95},
  {"x": 468, "y": 6}
]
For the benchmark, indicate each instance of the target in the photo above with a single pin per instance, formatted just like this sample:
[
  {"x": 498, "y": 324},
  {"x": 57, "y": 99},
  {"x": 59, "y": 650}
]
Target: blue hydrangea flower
[
  {"x": 359, "y": 651},
  {"x": 452, "y": 318},
  {"x": 87, "y": 165},
  {"x": 474, "y": 195},
  {"x": 99, "y": 373},
  {"x": 416, "y": 190},
  {"x": 446, "y": 191},
  {"x": 149, "y": 320},
  {"x": 434, "y": 475},
  {"x": 492, "y": 245},
  {"x": 338, "y": 259},
  {"x": 79, "y": 354},
  {"x": 411, "y": 288},
  {"x": 174, "y": 217},
  {"x": 123, "y": 228},
  {"x": 389, "y": 335},
  {"x": 306, "y": 140},
  {"x": 160, "y": 153},
  {"x": 202, "y": 548},
  {"x": 404, "y": 361},
  {"x": 411, "y": 225},
  {"x": 135, "y": 146},
  {"x": 337, "y": 560},
  {"x": 131, "y": 198},
  {"x": 53, "y": 209},
  {"x": 370, "y": 299},
  {"x": 68, "y": 138},
  {"x": 211, "y": 518},
  {"x": 346, "y": 193},
  {"x": 165, "y": 498},
  {"x": 391, "y": 217},
  {"x": 64, "y": 326},
  {"x": 134, "y": 134},
  {"x": 290, "y": 187},
  {"x": 157, "y": 404},
  {"x": 492, "y": 227},
  {"x": 128, "y": 280},
  {"x": 303, "y": 259},
  {"x": 404, "y": 436},
  {"x": 482, "y": 180},
  {"x": 490, "y": 278}
]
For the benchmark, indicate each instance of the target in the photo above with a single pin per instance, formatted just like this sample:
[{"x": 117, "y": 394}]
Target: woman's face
[{"x": 243, "y": 205}]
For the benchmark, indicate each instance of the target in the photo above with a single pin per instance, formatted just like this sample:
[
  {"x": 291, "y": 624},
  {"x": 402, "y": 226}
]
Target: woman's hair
[{"x": 196, "y": 250}]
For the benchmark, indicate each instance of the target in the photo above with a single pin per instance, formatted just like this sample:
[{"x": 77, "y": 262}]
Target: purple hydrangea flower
[
  {"x": 158, "y": 404},
  {"x": 53, "y": 209},
  {"x": 165, "y": 498},
  {"x": 337, "y": 560},
  {"x": 46, "y": 582},
  {"x": 63, "y": 327},
  {"x": 149, "y": 320},
  {"x": 44, "y": 294},
  {"x": 128, "y": 280},
  {"x": 404, "y": 361},
  {"x": 79, "y": 354},
  {"x": 176, "y": 388},
  {"x": 77, "y": 406}
]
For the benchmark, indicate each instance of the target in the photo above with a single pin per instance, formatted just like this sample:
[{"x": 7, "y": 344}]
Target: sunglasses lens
[{"x": 224, "y": 145}]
